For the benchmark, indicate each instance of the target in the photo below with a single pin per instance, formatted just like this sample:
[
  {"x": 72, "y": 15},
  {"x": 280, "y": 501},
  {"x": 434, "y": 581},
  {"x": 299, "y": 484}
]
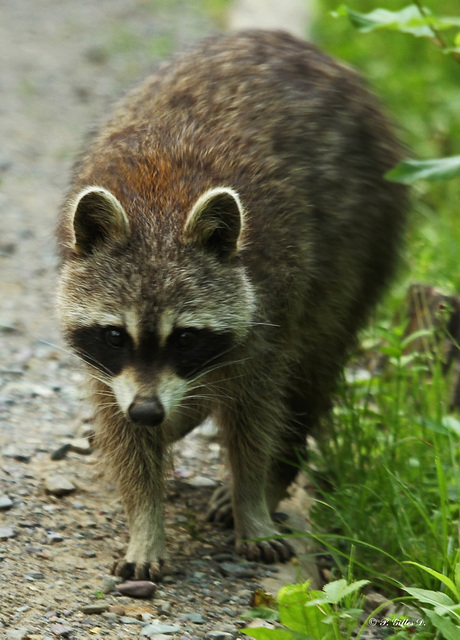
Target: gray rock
[
  {"x": 154, "y": 629},
  {"x": 109, "y": 584},
  {"x": 59, "y": 485},
  {"x": 17, "y": 634},
  {"x": 15, "y": 454},
  {"x": 95, "y": 607},
  {"x": 52, "y": 537},
  {"x": 61, "y": 452},
  {"x": 164, "y": 607},
  {"x": 7, "y": 532},
  {"x": 238, "y": 570},
  {"x": 137, "y": 588},
  {"x": 197, "y": 618},
  {"x": 80, "y": 445},
  {"x": 219, "y": 635},
  {"x": 130, "y": 620},
  {"x": 61, "y": 630},
  {"x": 5, "y": 503}
]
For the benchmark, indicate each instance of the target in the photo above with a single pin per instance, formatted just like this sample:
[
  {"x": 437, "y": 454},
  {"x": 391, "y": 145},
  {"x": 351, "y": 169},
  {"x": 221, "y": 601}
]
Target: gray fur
[{"x": 250, "y": 172}]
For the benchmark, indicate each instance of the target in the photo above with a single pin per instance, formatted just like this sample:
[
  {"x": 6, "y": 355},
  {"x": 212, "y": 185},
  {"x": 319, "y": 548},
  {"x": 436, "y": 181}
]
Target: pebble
[
  {"x": 130, "y": 620},
  {"x": 61, "y": 630},
  {"x": 117, "y": 609},
  {"x": 137, "y": 588},
  {"x": 197, "y": 618},
  {"x": 109, "y": 584},
  {"x": 238, "y": 570},
  {"x": 61, "y": 452},
  {"x": 59, "y": 485},
  {"x": 158, "y": 627},
  {"x": 5, "y": 503},
  {"x": 95, "y": 607},
  {"x": 80, "y": 445},
  {"x": 219, "y": 635},
  {"x": 7, "y": 532},
  {"x": 17, "y": 634},
  {"x": 11, "y": 452},
  {"x": 164, "y": 607}
]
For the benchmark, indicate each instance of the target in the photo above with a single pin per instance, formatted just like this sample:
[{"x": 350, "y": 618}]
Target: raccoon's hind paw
[
  {"x": 153, "y": 571},
  {"x": 268, "y": 551},
  {"x": 220, "y": 506}
]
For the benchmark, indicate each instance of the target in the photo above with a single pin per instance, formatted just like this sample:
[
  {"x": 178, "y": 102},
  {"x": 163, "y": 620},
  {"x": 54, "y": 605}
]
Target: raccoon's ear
[
  {"x": 216, "y": 221},
  {"x": 98, "y": 218}
]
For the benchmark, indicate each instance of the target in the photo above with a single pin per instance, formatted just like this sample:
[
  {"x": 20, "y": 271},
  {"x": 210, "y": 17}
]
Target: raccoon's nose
[{"x": 147, "y": 412}]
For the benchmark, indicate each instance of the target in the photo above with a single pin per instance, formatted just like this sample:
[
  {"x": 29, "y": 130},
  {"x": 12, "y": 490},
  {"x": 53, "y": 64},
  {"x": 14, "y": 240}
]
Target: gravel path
[{"x": 61, "y": 525}]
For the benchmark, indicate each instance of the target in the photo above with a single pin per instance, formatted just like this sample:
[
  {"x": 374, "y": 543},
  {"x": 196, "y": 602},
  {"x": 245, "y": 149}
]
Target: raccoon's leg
[
  {"x": 133, "y": 456},
  {"x": 292, "y": 448},
  {"x": 250, "y": 434}
]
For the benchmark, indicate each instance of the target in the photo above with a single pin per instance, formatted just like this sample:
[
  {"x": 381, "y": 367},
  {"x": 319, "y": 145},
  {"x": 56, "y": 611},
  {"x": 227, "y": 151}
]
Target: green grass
[{"x": 389, "y": 468}]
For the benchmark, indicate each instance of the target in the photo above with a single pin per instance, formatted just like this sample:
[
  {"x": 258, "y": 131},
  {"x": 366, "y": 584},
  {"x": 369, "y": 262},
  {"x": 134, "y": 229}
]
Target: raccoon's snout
[{"x": 147, "y": 412}]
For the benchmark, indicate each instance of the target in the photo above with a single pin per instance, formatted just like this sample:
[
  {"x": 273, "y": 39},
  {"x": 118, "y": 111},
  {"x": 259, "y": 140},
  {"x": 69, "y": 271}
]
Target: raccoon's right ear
[
  {"x": 98, "y": 218},
  {"x": 216, "y": 221}
]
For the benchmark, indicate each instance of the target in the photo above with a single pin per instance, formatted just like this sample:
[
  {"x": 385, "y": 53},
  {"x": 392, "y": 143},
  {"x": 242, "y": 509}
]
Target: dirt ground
[{"x": 63, "y": 63}]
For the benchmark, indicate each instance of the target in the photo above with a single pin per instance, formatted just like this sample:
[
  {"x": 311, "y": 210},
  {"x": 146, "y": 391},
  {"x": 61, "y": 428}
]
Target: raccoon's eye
[
  {"x": 187, "y": 339},
  {"x": 115, "y": 338}
]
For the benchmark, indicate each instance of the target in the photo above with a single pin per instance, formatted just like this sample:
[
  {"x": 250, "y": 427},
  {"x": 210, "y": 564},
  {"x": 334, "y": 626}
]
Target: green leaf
[
  {"x": 444, "y": 579},
  {"x": 408, "y": 20},
  {"x": 338, "y": 590},
  {"x": 449, "y": 630},
  {"x": 408, "y": 171},
  {"x": 441, "y": 601}
]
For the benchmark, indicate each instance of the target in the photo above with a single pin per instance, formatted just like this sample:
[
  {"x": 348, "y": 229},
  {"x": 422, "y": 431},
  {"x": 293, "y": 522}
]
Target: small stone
[
  {"x": 158, "y": 627},
  {"x": 53, "y": 537},
  {"x": 137, "y": 588},
  {"x": 61, "y": 630},
  {"x": 117, "y": 609},
  {"x": 80, "y": 445},
  {"x": 218, "y": 635},
  {"x": 164, "y": 607},
  {"x": 130, "y": 620},
  {"x": 59, "y": 485},
  {"x": 197, "y": 618},
  {"x": 5, "y": 503},
  {"x": 108, "y": 615},
  {"x": 7, "y": 532},
  {"x": 35, "y": 575},
  {"x": 109, "y": 584},
  {"x": 19, "y": 456},
  {"x": 17, "y": 634},
  {"x": 238, "y": 570},
  {"x": 61, "y": 452},
  {"x": 95, "y": 608}
]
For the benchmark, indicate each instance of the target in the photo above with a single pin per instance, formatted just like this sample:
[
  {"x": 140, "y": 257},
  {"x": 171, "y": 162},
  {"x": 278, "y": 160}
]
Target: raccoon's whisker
[{"x": 264, "y": 324}]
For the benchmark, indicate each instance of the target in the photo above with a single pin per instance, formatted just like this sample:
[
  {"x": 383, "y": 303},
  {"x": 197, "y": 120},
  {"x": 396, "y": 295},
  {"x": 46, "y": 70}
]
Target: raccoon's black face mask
[{"x": 187, "y": 351}]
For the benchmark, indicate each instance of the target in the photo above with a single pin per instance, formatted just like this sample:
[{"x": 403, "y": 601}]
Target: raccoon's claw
[
  {"x": 153, "y": 571},
  {"x": 220, "y": 507},
  {"x": 268, "y": 551}
]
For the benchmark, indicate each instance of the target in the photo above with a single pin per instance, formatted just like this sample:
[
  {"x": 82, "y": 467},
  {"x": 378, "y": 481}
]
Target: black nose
[{"x": 147, "y": 412}]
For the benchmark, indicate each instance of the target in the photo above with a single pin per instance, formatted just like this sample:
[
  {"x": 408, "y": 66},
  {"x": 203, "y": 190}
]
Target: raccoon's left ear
[
  {"x": 98, "y": 218},
  {"x": 216, "y": 221}
]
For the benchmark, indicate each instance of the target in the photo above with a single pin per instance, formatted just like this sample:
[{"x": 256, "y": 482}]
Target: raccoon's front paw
[
  {"x": 268, "y": 551},
  {"x": 153, "y": 571},
  {"x": 220, "y": 506}
]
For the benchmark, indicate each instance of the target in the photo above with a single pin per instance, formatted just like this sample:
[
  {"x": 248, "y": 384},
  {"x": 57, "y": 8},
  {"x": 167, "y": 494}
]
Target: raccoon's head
[{"x": 155, "y": 305}]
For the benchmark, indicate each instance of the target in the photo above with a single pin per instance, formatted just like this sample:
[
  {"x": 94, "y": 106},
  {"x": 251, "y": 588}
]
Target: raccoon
[{"x": 226, "y": 234}]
